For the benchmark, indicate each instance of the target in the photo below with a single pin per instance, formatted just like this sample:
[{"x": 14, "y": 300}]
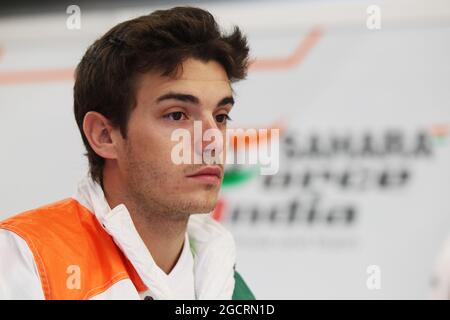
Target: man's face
[{"x": 201, "y": 92}]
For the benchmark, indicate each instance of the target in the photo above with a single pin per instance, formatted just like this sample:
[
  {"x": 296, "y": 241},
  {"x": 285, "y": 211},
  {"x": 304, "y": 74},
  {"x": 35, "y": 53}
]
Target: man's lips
[{"x": 208, "y": 174}]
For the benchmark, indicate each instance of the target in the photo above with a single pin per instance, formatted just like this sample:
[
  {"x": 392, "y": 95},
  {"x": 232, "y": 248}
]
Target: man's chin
[
  {"x": 202, "y": 207},
  {"x": 195, "y": 202}
]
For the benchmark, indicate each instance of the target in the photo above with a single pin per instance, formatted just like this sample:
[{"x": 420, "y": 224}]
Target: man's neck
[
  {"x": 163, "y": 234},
  {"x": 163, "y": 237}
]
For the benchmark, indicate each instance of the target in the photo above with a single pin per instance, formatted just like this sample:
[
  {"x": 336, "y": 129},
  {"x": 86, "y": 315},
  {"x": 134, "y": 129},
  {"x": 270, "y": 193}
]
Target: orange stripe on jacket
[{"x": 65, "y": 234}]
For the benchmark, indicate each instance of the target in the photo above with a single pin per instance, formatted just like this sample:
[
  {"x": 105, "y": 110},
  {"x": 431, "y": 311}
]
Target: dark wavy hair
[{"x": 105, "y": 78}]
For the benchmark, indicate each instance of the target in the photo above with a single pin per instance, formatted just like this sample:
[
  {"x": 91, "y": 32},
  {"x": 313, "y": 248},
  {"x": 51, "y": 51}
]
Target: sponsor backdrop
[{"x": 359, "y": 206}]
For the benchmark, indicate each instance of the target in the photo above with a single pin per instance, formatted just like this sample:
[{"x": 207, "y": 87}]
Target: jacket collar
[{"x": 212, "y": 245}]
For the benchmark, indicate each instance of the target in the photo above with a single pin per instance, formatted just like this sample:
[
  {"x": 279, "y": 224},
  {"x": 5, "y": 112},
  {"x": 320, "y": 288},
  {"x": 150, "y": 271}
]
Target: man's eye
[
  {"x": 178, "y": 115},
  {"x": 222, "y": 118}
]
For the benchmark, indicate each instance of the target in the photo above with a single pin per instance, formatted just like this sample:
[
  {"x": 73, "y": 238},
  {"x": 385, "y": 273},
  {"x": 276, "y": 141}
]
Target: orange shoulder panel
[{"x": 76, "y": 258}]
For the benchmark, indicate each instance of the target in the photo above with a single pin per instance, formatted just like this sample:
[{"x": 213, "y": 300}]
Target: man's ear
[{"x": 99, "y": 132}]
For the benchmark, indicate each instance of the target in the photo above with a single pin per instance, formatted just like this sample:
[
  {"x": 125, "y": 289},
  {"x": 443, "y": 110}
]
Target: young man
[{"x": 136, "y": 227}]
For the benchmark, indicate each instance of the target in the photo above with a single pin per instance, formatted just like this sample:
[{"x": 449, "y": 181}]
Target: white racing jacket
[{"x": 79, "y": 248}]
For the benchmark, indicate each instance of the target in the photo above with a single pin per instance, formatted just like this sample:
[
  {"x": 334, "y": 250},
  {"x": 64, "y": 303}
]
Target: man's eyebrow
[
  {"x": 192, "y": 99},
  {"x": 225, "y": 101}
]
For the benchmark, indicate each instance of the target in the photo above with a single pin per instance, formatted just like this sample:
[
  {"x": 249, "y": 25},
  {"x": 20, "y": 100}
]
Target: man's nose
[{"x": 211, "y": 141}]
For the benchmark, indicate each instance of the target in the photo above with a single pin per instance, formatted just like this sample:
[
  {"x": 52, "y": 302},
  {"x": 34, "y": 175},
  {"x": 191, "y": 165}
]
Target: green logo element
[{"x": 239, "y": 175}]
